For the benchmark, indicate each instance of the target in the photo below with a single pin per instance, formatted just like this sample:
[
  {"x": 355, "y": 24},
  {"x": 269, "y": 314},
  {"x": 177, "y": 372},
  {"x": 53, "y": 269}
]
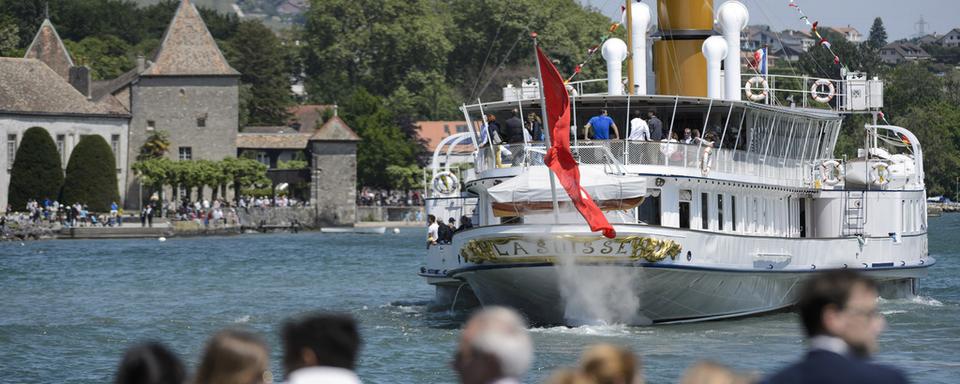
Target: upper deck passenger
[
  {"x": 639, "y": 130},
  {"x": 601, "y": 126},
  {"x": 514, "y": 128}
]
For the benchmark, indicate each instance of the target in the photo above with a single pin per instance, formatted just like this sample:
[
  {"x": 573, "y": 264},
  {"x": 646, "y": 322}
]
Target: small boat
[{"x": 367, "y": 230}]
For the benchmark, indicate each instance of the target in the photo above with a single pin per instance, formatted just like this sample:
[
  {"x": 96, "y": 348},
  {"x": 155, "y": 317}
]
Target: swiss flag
[{"x": 559, "y": 158}]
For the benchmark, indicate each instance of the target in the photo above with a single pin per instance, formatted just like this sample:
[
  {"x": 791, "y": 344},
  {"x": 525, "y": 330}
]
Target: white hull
[
  {"x": 724, "y": 276},
  {"x": 651, "y": 294}
]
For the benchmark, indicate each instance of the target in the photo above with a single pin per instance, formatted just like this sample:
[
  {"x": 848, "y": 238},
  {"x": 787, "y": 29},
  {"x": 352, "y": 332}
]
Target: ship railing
[
  {"x": 704, "y": 160},
  {"x": 855, "y": 94}
]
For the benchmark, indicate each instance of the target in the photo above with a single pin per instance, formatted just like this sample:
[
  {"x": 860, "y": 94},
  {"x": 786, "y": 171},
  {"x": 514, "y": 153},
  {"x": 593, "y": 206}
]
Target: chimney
[
  {"x": 80, "y": 79},
  {"x": 141, "y": 63}
]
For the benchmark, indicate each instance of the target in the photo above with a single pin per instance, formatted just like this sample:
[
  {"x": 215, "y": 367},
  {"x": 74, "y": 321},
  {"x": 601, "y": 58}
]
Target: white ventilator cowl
[
  {"x": 614, "y": 51},
  {"x": 732, "y": 16},
  {"x": 715, "y": 50},
  {"x": 639, "y": 22}
]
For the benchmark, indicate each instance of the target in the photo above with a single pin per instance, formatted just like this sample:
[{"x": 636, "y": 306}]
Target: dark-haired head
[
  {"x": 150, "y": 363},
  {"x": 842, "y": 304},
  {"x": 320, "y": 339}
]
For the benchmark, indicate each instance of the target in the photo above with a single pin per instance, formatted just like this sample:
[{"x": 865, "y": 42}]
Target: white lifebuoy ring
[
  {"x": 445, "y": 183},
  {"x": 822, "y": 97},
  {"x": 759, "y": 82},
  {"x": 830, "y": 172},
  {"x": 879, "y": 174}
]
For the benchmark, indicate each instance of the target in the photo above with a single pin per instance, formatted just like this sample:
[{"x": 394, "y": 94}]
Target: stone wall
[
  {"x": 174, "y": 105},
  {"x": 306, "y": 216},
  {"x": 334, "y": 182},
  {"x": 374, "y": 213}
]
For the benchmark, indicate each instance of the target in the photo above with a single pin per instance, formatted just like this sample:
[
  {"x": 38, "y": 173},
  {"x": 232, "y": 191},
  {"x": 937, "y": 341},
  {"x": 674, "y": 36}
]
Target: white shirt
[
  {"x": 323, "y": 375},
  {"x": 639, "y": 130},
  {"x": 433, "y": 232},
  {"x": 830, "y": 344}
]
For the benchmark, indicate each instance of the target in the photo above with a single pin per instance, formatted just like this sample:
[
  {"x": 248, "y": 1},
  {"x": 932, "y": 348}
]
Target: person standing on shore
[{"x": 839, "y": 313}]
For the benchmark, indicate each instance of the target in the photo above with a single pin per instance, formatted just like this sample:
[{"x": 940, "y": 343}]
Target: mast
[
  {"x": 630, "y": 83},
  {"x": 546, "y": 130}
]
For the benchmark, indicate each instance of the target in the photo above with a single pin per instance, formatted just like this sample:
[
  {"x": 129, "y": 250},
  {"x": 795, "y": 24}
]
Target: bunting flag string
[
  {"x": 813, "y": 29},
  {"x": 596, "y": 48}
]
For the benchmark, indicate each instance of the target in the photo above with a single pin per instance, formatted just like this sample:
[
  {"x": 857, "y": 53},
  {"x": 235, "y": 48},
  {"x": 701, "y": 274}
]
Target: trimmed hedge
[
  {"x": 91, "y": 175},
  {"x": 37, "y": 172}
]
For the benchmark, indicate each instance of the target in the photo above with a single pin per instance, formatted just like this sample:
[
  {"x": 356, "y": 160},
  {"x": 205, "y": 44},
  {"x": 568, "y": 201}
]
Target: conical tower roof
[
  {"x": 48, "y": 48},
  {"x": 188, "y": 49}
]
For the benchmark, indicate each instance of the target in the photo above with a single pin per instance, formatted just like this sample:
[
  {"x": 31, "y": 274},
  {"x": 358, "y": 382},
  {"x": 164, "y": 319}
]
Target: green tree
[
  {"x": 261, "y": 59},
  {"x": 878, "y": 35},
  {"x": 937, "y": 128},
  {"x": 243, "y": 173},
  {"x": 106, "y": 56},
  {"x": 154, "y": 173},
  {"x": 9, "y": 35},
  {"x": 293, "y": 164},
  {"x": 383, "y": 143},
  {"x": 37, "y": 172},
  {"x": 910, "y": 84},
  {"x": 371, "y": 44},
  {"x": 91, "y": 175},
  {"x": 405, "y": 177}
]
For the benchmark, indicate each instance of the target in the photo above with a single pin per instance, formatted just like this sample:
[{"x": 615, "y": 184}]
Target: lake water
[{"x": 68, "y": 309}]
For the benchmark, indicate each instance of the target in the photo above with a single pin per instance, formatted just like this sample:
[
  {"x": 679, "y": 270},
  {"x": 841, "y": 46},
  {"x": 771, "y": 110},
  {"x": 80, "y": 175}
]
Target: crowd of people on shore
[
  {"x": 838, "y": 310},
  {"x": 388, "y": 198},
  {"x": 49, "y": 211}
]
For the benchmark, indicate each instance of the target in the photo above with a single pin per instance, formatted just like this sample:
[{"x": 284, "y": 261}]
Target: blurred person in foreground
[
  {"x": 495, "y": 347},
  {"x": 150, "y": 363},
  {"x": 839, "y": 313},
  {"x": 234, "y": 357},
  {"x": 708, "y": 372},
  {"x": 321, "y": 348},
  {"x": 610, "y": 364}
]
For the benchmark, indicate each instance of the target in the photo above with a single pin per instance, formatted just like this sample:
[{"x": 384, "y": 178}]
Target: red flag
[{"x": 559, "y": 158}]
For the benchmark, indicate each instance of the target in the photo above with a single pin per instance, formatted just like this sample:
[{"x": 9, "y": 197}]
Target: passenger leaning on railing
[
  {"x": 601, "y": 126},
  {"x": 639, "y": 130}
]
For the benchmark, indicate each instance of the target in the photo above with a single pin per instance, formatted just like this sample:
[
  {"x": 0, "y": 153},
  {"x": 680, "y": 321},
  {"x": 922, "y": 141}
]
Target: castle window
[
  {"x": 151, "y": 125},
  {"x": 201, "y": 122},
  {"x": 115, "y": 145},
  {"x": 11, "y": 150},
  {"x": 61, "y": 146},
  {"x": 186, "y": 153}
]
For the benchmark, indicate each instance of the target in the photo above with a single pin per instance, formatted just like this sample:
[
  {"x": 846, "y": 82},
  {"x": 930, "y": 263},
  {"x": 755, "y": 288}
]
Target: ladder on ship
[{"x": 854, "y": 212}]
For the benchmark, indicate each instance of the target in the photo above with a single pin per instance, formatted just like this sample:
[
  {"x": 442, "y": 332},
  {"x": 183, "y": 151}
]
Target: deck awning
[{"x": 530, "y": 191}]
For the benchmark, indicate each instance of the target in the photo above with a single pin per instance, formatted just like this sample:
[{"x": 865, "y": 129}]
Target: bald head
[{"x": 494, "y": 344}]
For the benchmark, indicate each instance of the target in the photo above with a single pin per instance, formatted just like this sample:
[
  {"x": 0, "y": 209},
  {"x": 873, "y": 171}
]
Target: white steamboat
[{"x": 704, "y": 230}]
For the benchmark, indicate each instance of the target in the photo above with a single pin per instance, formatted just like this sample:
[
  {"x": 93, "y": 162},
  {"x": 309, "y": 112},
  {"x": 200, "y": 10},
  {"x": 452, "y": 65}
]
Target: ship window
[
  {"x": 649, "y": 211},
  {"x": 704, "y": 210},
  {"x": 733, "y": 213},
  {"x": 789, "y": 226},
  {"x": 803, "y": 217},
  {"x": 720, "y": 211},
  {"x": 685, "y": 214}
]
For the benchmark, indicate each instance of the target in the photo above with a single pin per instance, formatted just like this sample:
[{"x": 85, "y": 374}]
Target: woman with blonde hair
[
  {"x": 610, "y": 364},
  {"x": 234, "y": 357}
]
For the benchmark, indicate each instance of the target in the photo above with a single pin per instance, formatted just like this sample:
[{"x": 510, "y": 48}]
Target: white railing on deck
[{"x": 704, "y": 161}]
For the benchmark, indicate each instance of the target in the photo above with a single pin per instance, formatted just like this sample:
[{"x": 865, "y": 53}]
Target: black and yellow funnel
[{"x": 680, "y": 66}]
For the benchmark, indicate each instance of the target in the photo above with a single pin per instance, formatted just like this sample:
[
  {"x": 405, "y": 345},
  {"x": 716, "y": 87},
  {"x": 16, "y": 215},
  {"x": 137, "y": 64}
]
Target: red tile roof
[
  {"x": 48, "y": 48},
  {"x": 188, "y": 49}
]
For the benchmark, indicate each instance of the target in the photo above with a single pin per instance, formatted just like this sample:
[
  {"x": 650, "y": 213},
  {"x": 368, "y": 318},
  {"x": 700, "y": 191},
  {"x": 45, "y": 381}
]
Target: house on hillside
[
  {"x": 898, "y": 52},
  {"x": 950, "y": 39},
  {"x": 850, "y": 33}
]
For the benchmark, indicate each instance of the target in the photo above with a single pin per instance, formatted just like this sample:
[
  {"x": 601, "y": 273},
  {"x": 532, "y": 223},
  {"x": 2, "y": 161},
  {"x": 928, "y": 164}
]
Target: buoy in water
[
  {"x": 162, "y": 239},
  {"x": 396, "y": 230}
]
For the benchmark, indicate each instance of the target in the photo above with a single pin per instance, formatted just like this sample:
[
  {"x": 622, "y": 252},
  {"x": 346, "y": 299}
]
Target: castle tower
[{"x": 189, "y": 91}]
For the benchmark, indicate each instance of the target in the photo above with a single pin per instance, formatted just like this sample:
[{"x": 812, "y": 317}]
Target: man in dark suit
[{"x": 839, "y": 314}]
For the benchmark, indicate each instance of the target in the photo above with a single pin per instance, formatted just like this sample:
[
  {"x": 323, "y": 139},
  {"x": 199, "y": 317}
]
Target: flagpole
[{"x": 546, "y": 130}]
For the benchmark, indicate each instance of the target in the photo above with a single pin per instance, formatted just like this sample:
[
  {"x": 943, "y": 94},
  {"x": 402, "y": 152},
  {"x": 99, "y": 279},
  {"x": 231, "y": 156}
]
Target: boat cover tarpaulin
[{"x": 533, "y": 185}]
